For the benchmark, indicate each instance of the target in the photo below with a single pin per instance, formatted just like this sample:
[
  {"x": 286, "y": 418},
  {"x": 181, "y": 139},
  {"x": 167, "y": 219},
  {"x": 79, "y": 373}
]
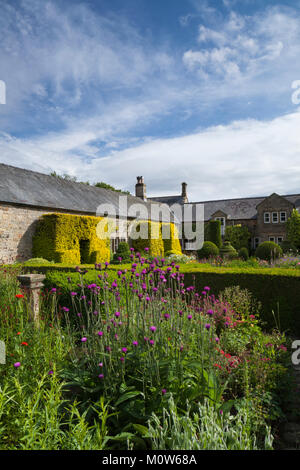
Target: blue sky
[{"x": 172, "y": 90}]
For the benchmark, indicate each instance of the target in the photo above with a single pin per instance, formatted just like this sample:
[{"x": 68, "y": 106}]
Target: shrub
[
  {"x": 227, "y": 251},
  {"x": 214, "y": 232},
  {"x": 268, "y": 251},
  {"x": 243, "y": 253},
  {"x": 208, "y": 249},
  {"x": 154, "y": 240},
  {"x": 73, "y": 239},
  {"x": 123, "y": 252},
  {"x": 293, "y": 228},
  {"x": 36, "y": 261}
]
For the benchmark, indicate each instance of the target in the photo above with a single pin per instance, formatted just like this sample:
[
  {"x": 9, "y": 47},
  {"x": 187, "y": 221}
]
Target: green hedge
[{"x": 278, "y": 290}]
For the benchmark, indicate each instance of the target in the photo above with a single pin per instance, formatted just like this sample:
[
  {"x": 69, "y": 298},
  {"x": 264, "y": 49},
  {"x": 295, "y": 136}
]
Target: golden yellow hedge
[{"x": 66, "y": 238}]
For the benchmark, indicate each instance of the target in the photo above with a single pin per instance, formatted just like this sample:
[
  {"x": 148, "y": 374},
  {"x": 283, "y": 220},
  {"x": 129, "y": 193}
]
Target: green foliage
[
  {"x": 111, "y": 188},
  {"x": 293, "y": 228},
  {"x": 36, "y": 261},
  {"x": 65, "y": 238},
  {"x": 268, "y": 251},
  {"x": 243, "y": 253},
  {"x": 227, "y": 251},
  {"x": 238, "y": 236},
  {"x": 123, "y": 252},
  {"x": 214, "y": 232},
  {"x": 208, "y": 249},
  {"x": 288, "y": 247}
]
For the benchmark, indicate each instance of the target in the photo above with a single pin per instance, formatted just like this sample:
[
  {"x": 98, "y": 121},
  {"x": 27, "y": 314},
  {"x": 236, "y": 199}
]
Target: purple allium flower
[
  {"x": 146, "y": 339},
  {"x": 207, "y": 288},
  {"x": 17, "y": 364},
  {"x": 221, "y": 412},
  {"x": 210, "y": 312},
  {"x": 53, "y": 290},
  {"x": 50, "y": 372},
  {"x": 101, "y": 376},
  {"x": 190, "y": 317},
  {"x": 151, "y": 342},
  {"x": 122, "y": 359},
  {"x": 217, "y": 340},
  {"x": 65, "y": 309},
  {"x": 146, "y": 249},
  {"x": 167, "y": 316},
  {"x": 135, "y": 343},
  {"x": 164, "y": 391},
  {"x": 124, "y": 350},
  {"x": 207, "y": 326},
  {"x": 153, "y": 329},
  {"x": 73, "y": 294},
  {"x": 100, "y": 364},
  {"x": 117, "y": 314},
  {"x": 83, "y": 340},
  {"x": 100, "y": 333},
  {"x": 180, "y": 313}
]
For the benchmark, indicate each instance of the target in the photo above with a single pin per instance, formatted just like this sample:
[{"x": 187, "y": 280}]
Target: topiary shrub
[
  {"x": 172, "y": 242},
  {"x": 227, "y": 251},
  {"x": 72, "y": 239},
  {"x": 243, "y": 253},
  {"x": 37, "y": 261},
  {"x": 214, "y": 232},
  {"x": 268, "y": 251},
  {"x": 209, "y": 249},
  {"x": 123, "y": 252}
]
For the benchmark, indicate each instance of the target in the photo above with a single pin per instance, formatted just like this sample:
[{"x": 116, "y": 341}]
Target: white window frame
[
  {"x": 280, "y": 240},
  {"x": 274, "y": 221},
  {"x": 285, "y": 217},
  {"x": 272, "y": 239},
  {"x": 269, "y": 216}
]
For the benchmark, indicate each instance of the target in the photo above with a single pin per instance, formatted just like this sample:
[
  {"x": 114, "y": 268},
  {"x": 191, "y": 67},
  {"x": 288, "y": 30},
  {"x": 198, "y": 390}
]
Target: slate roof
[
  {"x": 170, "y": 200},
  {"x": 241, "y": 208},
  {"x": 30, "y": 188}
]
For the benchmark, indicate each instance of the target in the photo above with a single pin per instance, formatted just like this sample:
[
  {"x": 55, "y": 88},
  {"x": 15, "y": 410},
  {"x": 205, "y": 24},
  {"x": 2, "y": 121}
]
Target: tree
[
  {"x": 293, "y": 228},
  {"x": 101, "y": 184},
  {"x": 238, "y": 236}
]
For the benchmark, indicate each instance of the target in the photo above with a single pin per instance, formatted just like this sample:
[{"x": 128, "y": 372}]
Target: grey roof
[
  {"x": 170, "y": 200},
  {"x": 26, "y": 187},
  {"x": 240, "y": 208}
]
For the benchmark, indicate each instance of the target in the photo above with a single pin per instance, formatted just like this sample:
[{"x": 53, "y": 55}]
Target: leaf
[{"x": 128, "y": 396}]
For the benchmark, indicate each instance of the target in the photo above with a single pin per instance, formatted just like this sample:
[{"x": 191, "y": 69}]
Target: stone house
[{"x": 264, "y": 216}]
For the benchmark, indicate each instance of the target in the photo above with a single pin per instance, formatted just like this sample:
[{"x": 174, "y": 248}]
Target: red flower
[
  {"x": 19, "y": 296},
  {"x": 24, "y": 343},
  {"x": 218, "y": 365}
]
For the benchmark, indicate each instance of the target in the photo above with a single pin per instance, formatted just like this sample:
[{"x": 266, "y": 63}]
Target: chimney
[
  {"x": 184, "y": 193},
  {"x": 140, "y": 188}
]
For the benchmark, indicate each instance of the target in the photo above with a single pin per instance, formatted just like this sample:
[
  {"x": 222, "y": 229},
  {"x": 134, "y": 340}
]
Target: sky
[{"x": 205, "y": 92}]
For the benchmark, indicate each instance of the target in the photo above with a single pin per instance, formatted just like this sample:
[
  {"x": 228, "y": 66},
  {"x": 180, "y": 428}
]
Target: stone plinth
[{"x": 31, "y": 284}]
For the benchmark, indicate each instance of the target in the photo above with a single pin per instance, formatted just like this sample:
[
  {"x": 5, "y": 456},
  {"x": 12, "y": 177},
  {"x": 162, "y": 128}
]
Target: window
[
  {"x": 275, "y": 217},
  {"x": 256, "y": 242},
  {"x": 282, "y": 217},
  {"x": 279, "y": 240},
  {"x": 222, "y": 220},
  {"x": 272, "y": 239},
  {"x": 267, "y": 217}
]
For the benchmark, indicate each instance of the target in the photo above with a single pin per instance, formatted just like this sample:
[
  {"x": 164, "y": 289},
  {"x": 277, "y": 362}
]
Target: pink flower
[{"x": 17, "y": 364}]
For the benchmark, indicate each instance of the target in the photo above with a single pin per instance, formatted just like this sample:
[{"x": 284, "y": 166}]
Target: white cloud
[{"x": 246, "y": 158}]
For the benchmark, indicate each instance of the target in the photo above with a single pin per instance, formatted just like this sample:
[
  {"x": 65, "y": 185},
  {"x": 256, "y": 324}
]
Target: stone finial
[{"x": 31, "y": 284}]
